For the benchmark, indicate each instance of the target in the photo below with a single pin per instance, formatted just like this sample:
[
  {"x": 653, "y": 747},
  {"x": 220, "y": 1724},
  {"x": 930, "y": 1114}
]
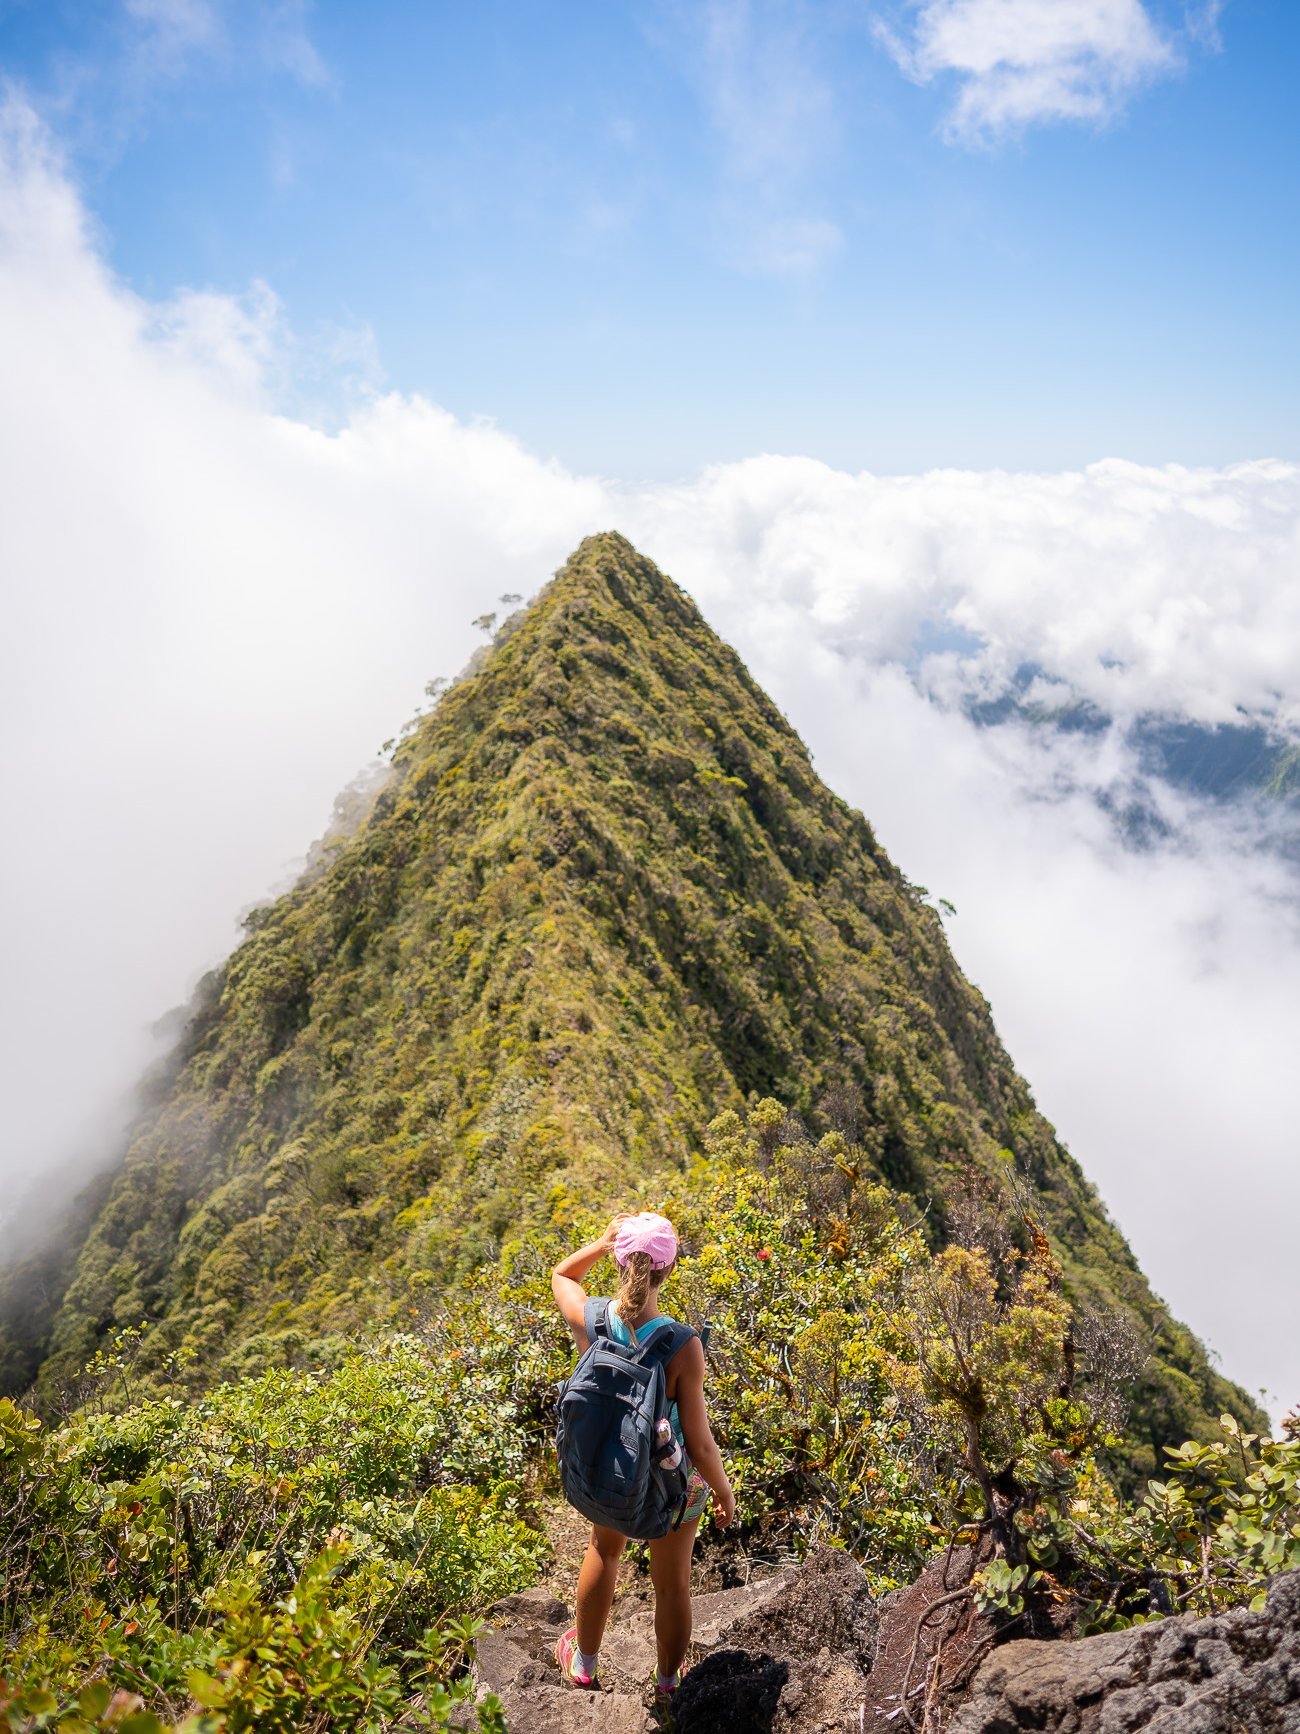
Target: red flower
[{"x": 764, "y": 1254}]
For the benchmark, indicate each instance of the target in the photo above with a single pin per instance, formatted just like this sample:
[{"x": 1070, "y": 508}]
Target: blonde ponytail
[{"x": 634, "y": 1287}]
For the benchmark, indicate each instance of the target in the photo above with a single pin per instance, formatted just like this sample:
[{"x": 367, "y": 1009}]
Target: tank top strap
[{"x": 623, "y": 1335}]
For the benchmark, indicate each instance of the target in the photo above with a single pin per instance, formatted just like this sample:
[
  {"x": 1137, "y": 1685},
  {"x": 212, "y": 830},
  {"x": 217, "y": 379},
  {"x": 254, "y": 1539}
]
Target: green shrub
[{"x": 284, "y": 1551}]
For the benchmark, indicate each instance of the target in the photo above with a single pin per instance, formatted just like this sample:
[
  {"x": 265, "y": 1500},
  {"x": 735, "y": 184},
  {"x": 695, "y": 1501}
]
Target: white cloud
[
  {"x": 237, "y": 338},
  {"x": 1145, "y": 590},
  {"x": 754, "y": 64},
  {"x": 246, "y": 343},
  {"x": 215, "y": 612},
  {"x": 1018, "y": 62},
  {"x": 176, "y": 27},
  {"x": 167, "y": 39}
]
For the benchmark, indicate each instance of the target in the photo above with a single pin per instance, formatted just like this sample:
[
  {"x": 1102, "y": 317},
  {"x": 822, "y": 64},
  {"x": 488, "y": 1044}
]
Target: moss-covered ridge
[{"x": 604, "y": 897}]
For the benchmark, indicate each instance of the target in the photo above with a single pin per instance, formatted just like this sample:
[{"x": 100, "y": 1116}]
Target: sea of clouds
[{"x": 216, "y": 610}]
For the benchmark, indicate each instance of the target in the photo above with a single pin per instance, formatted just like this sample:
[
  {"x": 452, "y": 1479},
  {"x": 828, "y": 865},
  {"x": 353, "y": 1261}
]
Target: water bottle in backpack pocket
[
  {"x": 620, "y": 1463},
  {"x": 664, "y": 1435}
]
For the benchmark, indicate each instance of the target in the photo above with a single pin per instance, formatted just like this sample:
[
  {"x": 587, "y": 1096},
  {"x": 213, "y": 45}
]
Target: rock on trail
[
  {"x": 808, "y": 1649},
  {"x": 1233, "y": 1673},
  {"x": 790, "y": 1651}
]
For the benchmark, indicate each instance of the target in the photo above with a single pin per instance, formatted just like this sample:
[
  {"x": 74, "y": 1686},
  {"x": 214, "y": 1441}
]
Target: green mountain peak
[{"x": 602, "y": 898}]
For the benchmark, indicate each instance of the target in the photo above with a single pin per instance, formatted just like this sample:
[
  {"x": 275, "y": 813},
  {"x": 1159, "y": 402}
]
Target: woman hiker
[{"x": 645, "y": 1251}]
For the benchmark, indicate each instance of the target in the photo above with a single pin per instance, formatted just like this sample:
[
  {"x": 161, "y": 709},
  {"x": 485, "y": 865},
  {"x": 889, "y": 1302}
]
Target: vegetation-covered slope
[
  {"x": 603, "y": 898},
  {"x": 270, "y": 1554}
]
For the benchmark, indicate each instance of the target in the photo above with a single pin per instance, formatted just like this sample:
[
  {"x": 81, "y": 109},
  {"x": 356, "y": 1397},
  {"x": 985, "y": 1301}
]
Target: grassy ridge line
[{"x": 604, "y": 897}]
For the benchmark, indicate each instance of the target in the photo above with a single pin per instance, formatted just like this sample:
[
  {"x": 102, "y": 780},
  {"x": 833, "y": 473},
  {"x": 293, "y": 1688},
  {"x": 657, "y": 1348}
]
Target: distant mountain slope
[
  {"x": 1241, "y": 764},
  {"x": 603, "y": 897}
]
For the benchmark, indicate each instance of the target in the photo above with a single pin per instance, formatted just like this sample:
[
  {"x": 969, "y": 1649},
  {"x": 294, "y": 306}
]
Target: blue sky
[{"x": 644, "y": 238}]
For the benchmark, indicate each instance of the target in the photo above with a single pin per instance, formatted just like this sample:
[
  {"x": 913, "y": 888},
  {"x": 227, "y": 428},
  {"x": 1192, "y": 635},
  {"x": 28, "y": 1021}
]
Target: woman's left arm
[{"x": 566, "y": 1279}]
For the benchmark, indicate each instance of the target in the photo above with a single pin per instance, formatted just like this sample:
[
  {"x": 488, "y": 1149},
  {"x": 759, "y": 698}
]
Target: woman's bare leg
[
  {"x": 596, "y": 1582},
  {"x": 670, "y": 1573}
]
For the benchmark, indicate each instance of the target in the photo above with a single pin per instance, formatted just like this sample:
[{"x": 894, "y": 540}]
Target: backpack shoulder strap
[
  {"x": 666, "y": 1339},
  {"x": 595, "y": 1320}
]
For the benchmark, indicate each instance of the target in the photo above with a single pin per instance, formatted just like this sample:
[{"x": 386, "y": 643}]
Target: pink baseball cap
[{"x": 647, "y": 1233}]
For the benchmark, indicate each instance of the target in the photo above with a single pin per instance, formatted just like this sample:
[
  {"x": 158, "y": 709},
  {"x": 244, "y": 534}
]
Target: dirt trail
[
  {"x": 790, "y": 1651},
  {"x": 808, "y": 1648}
]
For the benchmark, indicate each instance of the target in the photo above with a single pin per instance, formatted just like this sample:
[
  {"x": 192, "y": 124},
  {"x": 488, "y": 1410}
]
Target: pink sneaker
[{"x": 566, "y": 1654}]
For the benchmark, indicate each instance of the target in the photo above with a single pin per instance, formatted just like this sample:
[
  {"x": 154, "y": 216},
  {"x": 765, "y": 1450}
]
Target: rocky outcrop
[
  {"x": 789, "y": 1652},
  {"x": 1234, "y": 1673},
  {"x": 808, "y": 1649}
]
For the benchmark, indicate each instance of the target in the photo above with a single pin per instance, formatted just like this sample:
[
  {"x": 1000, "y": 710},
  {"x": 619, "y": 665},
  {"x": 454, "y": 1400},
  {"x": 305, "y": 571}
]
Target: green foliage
[
  {"x": 285, "y": 1551},
  {"x": 308, "y": 1548},
  {"x": 1248, "y": 1489},
  {"x": 1000, "y": 1587},
  {"x": 305, "y": 1660},
  {"x": 804, "y": 1331},
  {"x": 1225, "y": 1518},
  {"x": 955, "y": 1388},
  {"x": 988, "y": 1370},
  {"x": 1223, "y": 1521},
  {"x": 95, "y": 1706}
]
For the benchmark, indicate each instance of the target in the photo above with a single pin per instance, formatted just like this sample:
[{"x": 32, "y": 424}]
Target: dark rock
[
  {"x": 1234, "y": 1673},
  {"x": 822, "y": 1606},
  {"x": 794, "y": 1652},
  {"x": 730, "y": 1692}
]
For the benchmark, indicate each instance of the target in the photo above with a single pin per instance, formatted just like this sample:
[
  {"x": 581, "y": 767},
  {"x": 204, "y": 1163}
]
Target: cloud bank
[
  {"x": 1144, "y": 590},
  {"x": 217, "y": 611}
]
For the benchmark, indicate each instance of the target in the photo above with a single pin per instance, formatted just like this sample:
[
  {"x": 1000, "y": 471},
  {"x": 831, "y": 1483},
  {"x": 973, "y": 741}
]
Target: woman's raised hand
[{"x": 611, "y": 1233}]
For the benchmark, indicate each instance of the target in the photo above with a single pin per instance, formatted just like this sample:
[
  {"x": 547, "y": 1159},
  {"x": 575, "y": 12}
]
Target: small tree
[{"x": 991, "y": 1382}]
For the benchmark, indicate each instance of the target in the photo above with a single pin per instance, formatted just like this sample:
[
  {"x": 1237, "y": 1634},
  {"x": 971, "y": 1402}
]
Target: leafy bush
[
  {"x": 887, "y": 1396},
  {"x": 803, "y": 1316},
  {"x": 285, "y": 1551},
  {"x": 1224, "y": 1520},
  {"x": 1227, "y": 1518}
]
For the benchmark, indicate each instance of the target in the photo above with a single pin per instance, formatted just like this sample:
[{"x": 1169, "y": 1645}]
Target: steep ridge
[{"x": 603, "y": 897}]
